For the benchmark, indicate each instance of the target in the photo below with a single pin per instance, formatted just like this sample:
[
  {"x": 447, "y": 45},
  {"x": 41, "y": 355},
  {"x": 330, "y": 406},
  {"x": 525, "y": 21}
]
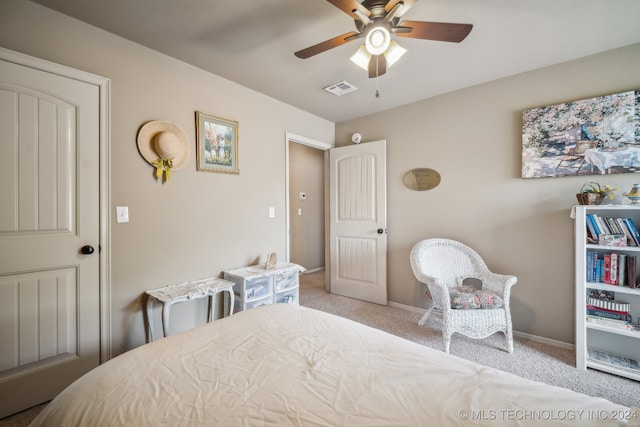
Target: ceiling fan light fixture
[
  {"x": 377, "y": 40},
  {"x": 394, "y": 53},
  {"x": 361, "y": 58}
]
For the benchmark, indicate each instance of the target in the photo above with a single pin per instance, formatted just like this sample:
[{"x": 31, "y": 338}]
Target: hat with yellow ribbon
[{"x": 165, "y": 145}]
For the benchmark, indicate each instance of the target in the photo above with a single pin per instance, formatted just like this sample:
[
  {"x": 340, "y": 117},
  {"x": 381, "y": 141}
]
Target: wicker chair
[{"x": 442, "y": 264}]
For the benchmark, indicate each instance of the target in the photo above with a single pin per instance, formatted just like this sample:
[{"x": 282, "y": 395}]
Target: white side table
[{"x": 193, "y": 289}]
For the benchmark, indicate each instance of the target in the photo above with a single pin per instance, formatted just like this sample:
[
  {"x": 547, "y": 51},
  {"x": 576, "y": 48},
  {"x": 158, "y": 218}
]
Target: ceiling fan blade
[
  {"x": 440, "y": 31},
  {"x": 377, "y": 66},
  {"x": 407, "y": 4},
  {"x": 326, "y": 45},
  {"x": 348, "y": 6}
]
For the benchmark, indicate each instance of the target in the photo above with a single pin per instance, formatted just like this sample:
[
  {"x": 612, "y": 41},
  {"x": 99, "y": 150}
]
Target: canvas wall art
[{"x": 587, "y": 137}]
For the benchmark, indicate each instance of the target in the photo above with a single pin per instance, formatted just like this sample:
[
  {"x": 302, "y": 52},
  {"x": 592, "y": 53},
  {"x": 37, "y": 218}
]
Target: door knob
[
  {"x": 380, "y": 231},
  {"x": 87, "y": 249}
]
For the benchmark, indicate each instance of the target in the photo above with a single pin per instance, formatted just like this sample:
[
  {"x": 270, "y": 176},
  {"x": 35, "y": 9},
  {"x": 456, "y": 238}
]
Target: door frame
[
  {"x": 104, "y": 254},
  {"x": 292, "y": 137}
]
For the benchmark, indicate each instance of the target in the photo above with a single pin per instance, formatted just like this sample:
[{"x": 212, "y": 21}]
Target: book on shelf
[
  {"x": 622, "y": 269},
  {"x": 616, "y": 360},
  {"x": 610, "y": 323},
  {"x": 596, "y": 312},
  {"x": 634, "y": 231},
  {"x": 613, "y": 269},
  {"x": 606, "y": 271},
  {"x": 631, "y": 271},
  {"x": 591, "y": 264},
  {"x": 592, "y": 227}
]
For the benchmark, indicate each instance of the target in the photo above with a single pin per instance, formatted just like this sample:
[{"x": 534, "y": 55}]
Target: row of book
[
  {"x": 616, "y": 315},
  {"x": 598, "y": 225},
  {"x": 612, "y": 268}
]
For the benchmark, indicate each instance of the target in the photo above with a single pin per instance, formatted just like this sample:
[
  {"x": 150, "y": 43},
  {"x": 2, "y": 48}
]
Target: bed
[{"x": 288, "y": 365}]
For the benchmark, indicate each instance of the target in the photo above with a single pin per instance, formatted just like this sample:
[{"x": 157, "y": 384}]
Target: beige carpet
[
  {"x": 22, "y": 419},
  {"x": 530, "y": 359}
]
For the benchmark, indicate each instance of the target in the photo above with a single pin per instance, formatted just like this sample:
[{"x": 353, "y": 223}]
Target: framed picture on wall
[
  {"x": 592, "y": 136},
  {"x": 216, "y": 144}
]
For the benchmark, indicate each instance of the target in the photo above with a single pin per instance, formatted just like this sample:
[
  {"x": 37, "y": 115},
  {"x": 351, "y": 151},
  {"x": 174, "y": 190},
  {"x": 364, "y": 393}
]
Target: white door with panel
[
  {"x": 358, "y": 221},
  {"x": 49, "y": 233}
]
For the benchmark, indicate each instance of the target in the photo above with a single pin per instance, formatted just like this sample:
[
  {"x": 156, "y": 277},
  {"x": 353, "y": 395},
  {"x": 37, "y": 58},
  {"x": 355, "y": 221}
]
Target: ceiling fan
[{"x": 376, "y": 21}]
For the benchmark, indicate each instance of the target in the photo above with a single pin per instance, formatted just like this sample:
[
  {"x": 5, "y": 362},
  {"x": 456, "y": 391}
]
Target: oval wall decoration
[{"x": 421, "y": 179}]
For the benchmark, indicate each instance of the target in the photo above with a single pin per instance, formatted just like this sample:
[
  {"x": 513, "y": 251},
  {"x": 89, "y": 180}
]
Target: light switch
[
  {"x": 299, "y": 211},
  {"x": 122, "y": 214},
  {"x": 272, "y": 212},
  {"x": 303, "y": 196}
]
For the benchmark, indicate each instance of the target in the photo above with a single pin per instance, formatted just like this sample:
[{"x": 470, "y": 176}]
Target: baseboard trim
[
  {"x": 543, "y": 340},
  {"x": 406, "y": 307},
  {"x": 313, "y": 270},
  {"x": 530, "y": 337}
]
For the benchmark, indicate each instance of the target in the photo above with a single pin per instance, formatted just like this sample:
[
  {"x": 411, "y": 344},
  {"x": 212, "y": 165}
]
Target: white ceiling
[{"x": 252, "y": 42}]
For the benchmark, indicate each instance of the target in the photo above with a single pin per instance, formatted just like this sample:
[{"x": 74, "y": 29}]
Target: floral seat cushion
[{"x": 465, "y": 298}]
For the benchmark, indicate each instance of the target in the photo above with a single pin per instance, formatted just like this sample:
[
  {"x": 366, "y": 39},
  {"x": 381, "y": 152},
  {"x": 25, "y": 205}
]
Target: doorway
[
  {"x": 305, "y": 201},
  {"x": 306, "y": 206}
]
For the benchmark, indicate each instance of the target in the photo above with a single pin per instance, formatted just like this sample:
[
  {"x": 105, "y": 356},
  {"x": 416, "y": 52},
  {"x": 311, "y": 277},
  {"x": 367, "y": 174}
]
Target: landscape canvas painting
[{"x": 588, "y": 137}]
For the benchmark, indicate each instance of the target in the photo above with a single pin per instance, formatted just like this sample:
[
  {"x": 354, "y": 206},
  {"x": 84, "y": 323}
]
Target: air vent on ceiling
[{"x": 340, "y": 88}]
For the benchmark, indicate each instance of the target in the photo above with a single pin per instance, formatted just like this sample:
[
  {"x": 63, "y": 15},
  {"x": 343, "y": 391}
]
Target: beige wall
[
  {"x": 306, "y": 175},
  {"x": 473, "y": 138},
  {"x": 202, "y": 223},
  {"x": 199, "y": 223}
]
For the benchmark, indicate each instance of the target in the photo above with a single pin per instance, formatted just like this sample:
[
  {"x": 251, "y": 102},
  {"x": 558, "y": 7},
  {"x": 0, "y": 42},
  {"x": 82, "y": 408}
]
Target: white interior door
[
  {"x": 49, "y": 211},
  {"x": 358, "y": 221}
]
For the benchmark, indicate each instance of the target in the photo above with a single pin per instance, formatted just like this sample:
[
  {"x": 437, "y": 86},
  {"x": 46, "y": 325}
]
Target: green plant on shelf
[{"x": 594, "y": 188}]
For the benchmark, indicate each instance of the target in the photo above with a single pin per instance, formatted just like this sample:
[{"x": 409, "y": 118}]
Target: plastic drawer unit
[
  {"x": 255, "y": 285},
  {"x": 239, "y": 305},
  {"x": 290, "y": 296}
]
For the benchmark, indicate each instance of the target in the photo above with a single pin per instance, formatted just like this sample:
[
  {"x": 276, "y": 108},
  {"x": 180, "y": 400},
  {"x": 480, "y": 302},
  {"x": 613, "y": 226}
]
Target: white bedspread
[{"x": 285, "y": 365}]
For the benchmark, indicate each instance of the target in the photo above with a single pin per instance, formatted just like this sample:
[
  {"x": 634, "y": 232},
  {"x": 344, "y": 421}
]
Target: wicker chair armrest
[
  {"x": 439, "y": 295},
  {"x": 499, "y": 282}
]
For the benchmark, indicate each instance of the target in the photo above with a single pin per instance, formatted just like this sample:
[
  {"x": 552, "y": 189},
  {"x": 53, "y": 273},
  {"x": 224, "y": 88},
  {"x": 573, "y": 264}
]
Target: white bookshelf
[{"x": 604, "y": 347}]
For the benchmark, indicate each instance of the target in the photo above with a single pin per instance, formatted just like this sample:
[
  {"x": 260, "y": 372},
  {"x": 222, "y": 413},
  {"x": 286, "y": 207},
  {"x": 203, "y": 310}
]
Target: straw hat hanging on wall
[{"x": 165, "y": 145}]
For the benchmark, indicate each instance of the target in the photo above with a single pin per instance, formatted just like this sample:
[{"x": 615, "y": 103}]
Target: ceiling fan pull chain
[{"x": 377, "y": 77}]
